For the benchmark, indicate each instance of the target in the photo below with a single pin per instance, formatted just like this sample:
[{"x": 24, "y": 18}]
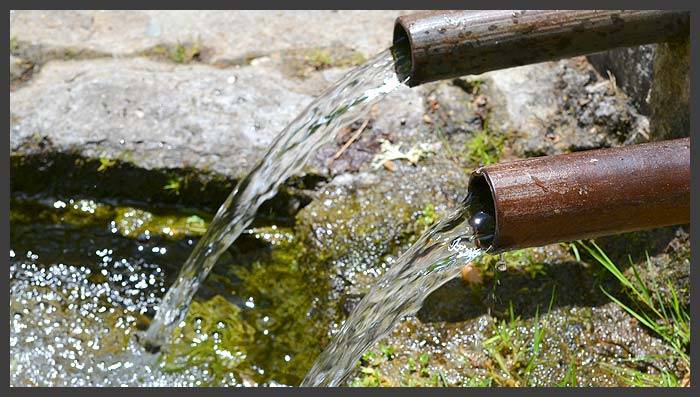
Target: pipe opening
[
  {"x": 483, "y": 215},
  {"x": 401, "y": 51}
]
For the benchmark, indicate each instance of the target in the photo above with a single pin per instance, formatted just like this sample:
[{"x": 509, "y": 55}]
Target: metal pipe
[
  {"x": 443, "y": 44},
  {"x": 586, "y": 194}
]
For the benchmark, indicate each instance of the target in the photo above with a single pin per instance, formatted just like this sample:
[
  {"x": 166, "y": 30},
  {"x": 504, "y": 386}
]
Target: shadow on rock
[{"x": 573, "y": 283}]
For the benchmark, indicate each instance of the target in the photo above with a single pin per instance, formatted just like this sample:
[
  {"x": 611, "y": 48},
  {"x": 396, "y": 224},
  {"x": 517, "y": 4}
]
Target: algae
[
  {"x": 301, "y": 63},
  {"x": 214, "y": 336},
  {"x": 185, "y": 52},
  {"x": 292, "y": 312}
]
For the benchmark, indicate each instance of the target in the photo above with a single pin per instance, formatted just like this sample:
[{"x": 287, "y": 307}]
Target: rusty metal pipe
[
  {"x": 585, "y": 194},
  {"x": 443, "y": 44}
]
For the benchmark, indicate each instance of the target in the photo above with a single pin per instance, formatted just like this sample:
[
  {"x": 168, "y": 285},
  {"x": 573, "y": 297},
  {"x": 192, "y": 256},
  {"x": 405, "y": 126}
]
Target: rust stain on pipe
[
  {"x": 586, "y": 194},
  {"x": 445, "y": 44}
]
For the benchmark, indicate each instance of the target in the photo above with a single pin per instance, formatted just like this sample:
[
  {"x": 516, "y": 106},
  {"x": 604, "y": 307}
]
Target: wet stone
[{"x": 358, "y": 225}]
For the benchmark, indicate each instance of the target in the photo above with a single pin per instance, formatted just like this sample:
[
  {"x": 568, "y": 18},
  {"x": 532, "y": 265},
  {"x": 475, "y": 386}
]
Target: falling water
[
  {"x": 432, "y": 261},
  {"x": 344, "y": 102}
]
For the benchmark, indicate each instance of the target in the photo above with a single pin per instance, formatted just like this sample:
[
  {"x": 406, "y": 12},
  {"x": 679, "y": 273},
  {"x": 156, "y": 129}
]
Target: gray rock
[
  {"x": 557, "y": 107},
  {"x": 455, "y": 110},
  {"x": 228, "y": 35},
  {"x": 632, "y": 68},
  {"x": 397, "y": 118},
  {"x": 155, "y": 115},
  {"x": 669, "y": 99},
  {"x": 657, "y": 79},
  {"x": 159, "y": 120}
]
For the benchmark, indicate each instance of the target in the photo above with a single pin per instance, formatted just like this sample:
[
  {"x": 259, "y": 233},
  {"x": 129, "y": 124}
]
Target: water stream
[
  {"x": 341, "y": 104},
  {"x": 434, "y": 259}
]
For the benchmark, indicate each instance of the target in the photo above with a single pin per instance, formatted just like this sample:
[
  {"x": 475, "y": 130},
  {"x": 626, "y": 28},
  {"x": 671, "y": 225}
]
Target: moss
[
  {"x": 301, "y": 63},
  {"x": 320, "y": 59},
  {"x": 130, "y": 222},
  {"x": 369, "y": 375},
  {"x": 135, "y": 222},
  {"x": 484, "y": 148},
  {"x": 178, "y": 53},
  {"x": 116, "y": 340},
  {"x": 373, "y": 370},
  {"x": 213, "y": 336},
  {"x": 14, "y": 45},
  {"x": 292, "y": 313},
  {"x": 470, "y": 85},
  {"x": 282, "y": 316},
  {"x": 39, "y": 54},
  {"x": 356, "y": 224},
  {"x": 527, "y": 261},
  {"x": 75, "y": 212}
]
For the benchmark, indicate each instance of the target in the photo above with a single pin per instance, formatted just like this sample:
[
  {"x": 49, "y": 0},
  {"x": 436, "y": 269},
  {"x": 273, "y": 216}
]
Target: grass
[
  {"x": 415, "y": 373},
  {"x": 570, "y": 379},
  {"x": 663, "y": 314},
  {"x": 485, "y": 147},
  {"x": 538, "y": 336},
  {"x": 636, "y": 378},
  {"x": 515, "y": 358}
]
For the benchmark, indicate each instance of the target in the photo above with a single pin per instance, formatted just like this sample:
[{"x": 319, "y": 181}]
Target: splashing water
[
  {"x": 346, "y": 101},
  {"x": 432, "y": 261}
]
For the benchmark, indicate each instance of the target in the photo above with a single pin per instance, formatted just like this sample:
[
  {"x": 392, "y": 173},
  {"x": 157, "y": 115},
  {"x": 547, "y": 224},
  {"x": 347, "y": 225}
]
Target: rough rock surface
[
  {"x": 18, "y": 67},
  {"x": 227, "y": 36},
  {"x": 156, "y": 115},
  {"x": 670, "y": 91},
  {"x": 563, "y": 106},
  {"x": 632, "y": 68},
  {"x": 657, "y": 79}
]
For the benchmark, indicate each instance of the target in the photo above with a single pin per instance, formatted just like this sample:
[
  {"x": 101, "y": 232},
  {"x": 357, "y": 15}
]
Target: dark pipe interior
[
  {"x": 401, "y": 50},
  {"x": 483, "y": 218}
]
